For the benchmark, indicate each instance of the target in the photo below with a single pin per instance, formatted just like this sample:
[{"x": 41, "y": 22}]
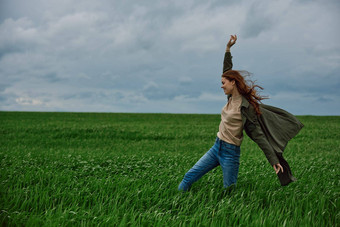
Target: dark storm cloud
[
  {"x": 6, "y": 50},
  {"x": 3, "y": 87},
  {"x": 52, "y": 78},
  {"x": 257, "y": 21},
  {"x": 162, "y": 56}
]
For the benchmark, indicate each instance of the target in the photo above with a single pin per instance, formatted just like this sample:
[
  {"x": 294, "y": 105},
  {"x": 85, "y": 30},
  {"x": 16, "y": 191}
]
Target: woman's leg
[
  {"x": 229, "y": 158},
  {"x": 206, "y": 163}
]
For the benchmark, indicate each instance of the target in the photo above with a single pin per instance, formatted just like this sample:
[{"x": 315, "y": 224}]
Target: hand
[
  {"x": 277, "y": 167},
  {"x": 231, "y": 42}
]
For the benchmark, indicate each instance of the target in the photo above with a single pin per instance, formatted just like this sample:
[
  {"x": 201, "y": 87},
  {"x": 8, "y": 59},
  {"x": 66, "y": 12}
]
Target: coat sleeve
[
  {"x": 254, "y": 131},
  {"x": 227, "y": 62}
]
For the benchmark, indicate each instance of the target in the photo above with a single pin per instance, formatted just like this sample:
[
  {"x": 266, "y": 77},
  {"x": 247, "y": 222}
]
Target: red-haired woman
[{"x": 270, "y": 127}]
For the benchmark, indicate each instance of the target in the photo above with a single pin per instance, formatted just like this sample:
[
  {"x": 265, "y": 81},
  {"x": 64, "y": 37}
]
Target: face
[{"x": 227, "y": 86}]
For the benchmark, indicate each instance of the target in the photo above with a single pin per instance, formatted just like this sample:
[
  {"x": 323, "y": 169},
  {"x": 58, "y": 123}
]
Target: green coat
[{"x": 271, "y": 131}]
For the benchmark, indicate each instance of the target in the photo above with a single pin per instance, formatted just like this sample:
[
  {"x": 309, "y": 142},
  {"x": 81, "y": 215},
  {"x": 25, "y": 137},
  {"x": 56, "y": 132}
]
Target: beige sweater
[{"x": 231, "y": 129}]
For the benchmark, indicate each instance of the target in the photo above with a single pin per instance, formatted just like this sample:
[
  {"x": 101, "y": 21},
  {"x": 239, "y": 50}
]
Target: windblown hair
[{"x": 247, "y": 88}]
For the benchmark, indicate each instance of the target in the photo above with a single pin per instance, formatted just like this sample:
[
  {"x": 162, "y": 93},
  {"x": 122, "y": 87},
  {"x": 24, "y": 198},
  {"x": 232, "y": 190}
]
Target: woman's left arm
[
  {"x": 231, "y": 42},
  {"x": 254, "y": 131},
  {"x": 227, "y": 62}
]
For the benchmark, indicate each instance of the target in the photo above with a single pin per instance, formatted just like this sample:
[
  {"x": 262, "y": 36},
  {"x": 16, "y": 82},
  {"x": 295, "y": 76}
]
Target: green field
[{"x": 123, "y": 170}]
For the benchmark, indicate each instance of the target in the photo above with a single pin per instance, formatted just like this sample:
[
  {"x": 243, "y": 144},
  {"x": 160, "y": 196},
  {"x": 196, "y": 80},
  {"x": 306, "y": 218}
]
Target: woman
[{"x": 270, "y": 127}]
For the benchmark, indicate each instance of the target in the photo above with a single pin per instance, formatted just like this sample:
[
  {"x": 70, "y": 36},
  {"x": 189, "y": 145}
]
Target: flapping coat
[{"x": 271, "y": 130}]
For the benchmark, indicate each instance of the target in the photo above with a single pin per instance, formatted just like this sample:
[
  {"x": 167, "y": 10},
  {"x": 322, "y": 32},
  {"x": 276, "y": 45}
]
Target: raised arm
[{"x": 227, "y": 62}]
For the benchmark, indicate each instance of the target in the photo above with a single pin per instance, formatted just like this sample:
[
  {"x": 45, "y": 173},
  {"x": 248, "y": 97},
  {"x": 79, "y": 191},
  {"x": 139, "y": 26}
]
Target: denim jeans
[{"x": 222, "y": 153}]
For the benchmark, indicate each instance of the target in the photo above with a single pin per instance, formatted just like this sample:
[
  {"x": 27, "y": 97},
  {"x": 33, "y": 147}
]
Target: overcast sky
[{"x": 166, "y": 56}]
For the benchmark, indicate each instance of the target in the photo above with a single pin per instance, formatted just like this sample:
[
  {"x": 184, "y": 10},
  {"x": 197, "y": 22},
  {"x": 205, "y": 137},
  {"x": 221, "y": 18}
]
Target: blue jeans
[{"x": 222, "y": 153}]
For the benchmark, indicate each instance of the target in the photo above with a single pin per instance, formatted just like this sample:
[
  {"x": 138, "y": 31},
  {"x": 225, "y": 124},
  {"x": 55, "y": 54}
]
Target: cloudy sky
[{"x": 166, "y": 56}]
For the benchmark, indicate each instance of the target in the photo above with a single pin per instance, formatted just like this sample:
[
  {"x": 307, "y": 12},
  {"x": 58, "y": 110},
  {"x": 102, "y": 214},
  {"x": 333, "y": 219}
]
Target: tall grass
[{"x": 123, "y": 170}]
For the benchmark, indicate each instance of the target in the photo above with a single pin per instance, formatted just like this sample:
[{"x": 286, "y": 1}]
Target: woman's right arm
[{"x": 227, "y": 62}]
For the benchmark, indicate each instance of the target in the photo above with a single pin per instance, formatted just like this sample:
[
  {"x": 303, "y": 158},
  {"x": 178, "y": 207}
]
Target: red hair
[{"x": 246, "y": 88}]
